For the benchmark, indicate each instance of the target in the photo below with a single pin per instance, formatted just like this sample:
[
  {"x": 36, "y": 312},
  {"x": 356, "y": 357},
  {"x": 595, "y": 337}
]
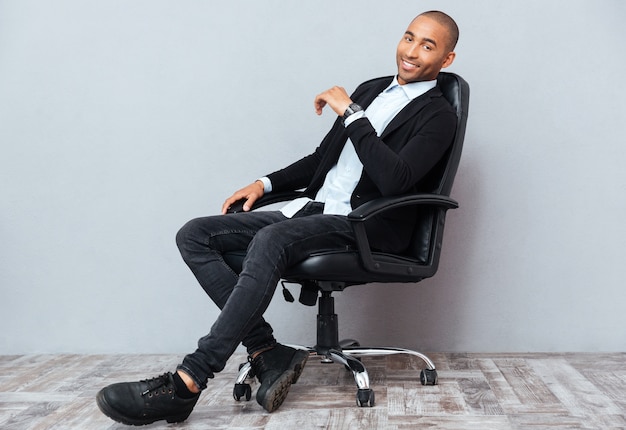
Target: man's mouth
[{"x": 408, "y": 65}]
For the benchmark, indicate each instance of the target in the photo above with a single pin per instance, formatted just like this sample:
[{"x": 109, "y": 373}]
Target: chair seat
[{"x": 336, "y": 266}]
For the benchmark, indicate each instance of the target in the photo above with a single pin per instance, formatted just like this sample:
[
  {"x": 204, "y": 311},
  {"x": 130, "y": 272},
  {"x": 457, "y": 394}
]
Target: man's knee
[{"x": 185, "y": 235}]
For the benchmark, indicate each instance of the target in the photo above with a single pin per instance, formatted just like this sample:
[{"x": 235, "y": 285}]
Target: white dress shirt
[{"x": 342, "y": 179}]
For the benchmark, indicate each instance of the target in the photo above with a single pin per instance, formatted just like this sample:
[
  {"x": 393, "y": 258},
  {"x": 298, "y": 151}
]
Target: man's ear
[{"x": 448, "y": 60}]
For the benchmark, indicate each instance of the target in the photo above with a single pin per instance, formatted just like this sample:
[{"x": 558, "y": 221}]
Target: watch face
[{"x": 352, "y": 109}]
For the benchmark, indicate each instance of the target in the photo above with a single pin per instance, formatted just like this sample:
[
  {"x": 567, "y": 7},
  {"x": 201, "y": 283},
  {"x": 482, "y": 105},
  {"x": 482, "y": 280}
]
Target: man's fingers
[
  {"x": 251, "y": 193},
  {"x": 336, "y": 97},
  {"x": 229, "y": 201},
  {"x": 319, "y": 104},
  {"x": 249, "y": 203}
]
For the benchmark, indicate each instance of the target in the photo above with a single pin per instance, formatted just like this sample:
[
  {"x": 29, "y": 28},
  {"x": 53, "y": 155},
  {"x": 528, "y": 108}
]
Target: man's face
[{"x": 423, "y": 51}]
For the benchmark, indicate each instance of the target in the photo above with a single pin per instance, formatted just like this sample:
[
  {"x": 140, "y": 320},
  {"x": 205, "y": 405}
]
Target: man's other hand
[{"x": 250, "y": 193}]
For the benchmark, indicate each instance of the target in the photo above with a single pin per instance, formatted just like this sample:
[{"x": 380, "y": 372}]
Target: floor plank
[{"x": 475, "y": 391}]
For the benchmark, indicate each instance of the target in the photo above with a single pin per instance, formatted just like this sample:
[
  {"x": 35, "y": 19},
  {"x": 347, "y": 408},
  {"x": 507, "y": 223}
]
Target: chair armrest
[
  {"x": 267, "y": 199},
  {"x": 363, "y": 213},
  {"x": 376, "y": 206},
  {"x": 382, "y": 204}
]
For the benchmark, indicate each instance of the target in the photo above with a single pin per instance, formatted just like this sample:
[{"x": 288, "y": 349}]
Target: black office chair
[{"x": 325, "y": 272}]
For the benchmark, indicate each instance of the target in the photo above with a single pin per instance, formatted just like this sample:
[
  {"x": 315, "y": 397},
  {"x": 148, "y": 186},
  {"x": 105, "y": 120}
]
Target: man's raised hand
[{"x": 336, "y": 97}]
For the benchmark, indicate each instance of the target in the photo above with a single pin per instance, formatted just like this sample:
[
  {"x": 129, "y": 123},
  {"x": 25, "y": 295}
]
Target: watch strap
[{"x": 352, "y": 109}]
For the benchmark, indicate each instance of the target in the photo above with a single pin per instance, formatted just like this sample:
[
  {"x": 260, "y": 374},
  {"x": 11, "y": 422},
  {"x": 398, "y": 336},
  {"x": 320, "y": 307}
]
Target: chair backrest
[
  {"x": 429, "y": 225},
  {"x": 456, "y": 91}
]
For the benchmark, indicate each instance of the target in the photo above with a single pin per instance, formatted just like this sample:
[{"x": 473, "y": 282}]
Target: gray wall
[{"x": 121, "y": 120}]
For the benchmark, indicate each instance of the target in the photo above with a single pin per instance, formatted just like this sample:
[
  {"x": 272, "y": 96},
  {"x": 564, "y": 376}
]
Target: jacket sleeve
[
  {"x": 297, "y": 175},
  {"x": 398, "y": 165},
  {"x": 310, "y": 169}
]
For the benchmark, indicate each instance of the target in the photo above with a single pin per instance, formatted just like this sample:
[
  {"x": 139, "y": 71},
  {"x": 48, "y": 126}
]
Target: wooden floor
[{"x": 475, "y": 391}]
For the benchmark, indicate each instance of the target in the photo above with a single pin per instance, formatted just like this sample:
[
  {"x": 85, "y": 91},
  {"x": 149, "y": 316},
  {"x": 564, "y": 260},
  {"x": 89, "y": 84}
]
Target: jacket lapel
[
  {"x": 411, "y": 110},
  {"x": 367, "y": 98}
]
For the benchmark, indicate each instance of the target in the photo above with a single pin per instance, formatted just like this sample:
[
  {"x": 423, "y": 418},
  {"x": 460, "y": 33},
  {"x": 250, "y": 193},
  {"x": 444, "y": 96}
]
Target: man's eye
[{"x": 427, "y": 48}]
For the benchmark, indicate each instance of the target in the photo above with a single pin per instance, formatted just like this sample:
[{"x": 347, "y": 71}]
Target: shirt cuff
[
  {"x": 267, "y": 184},
  {"x": 356, "y": 115}
]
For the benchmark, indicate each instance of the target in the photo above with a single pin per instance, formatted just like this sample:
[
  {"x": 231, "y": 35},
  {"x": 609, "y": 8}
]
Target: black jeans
[{"x": 273, "y": 243}]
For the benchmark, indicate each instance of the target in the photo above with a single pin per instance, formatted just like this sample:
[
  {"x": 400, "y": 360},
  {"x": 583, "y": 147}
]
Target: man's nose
[{"x": 412, "y": 51}]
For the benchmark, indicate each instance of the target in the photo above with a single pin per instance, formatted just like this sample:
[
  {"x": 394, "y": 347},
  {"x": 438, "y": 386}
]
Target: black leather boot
[
  {"x": 277, "y": 369},
  {"x": 144, "y": 402}
]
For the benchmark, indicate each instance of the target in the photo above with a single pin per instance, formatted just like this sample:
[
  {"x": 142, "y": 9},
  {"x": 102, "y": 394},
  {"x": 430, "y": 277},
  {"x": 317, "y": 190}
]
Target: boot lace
[{"x": 159, "y": 385}]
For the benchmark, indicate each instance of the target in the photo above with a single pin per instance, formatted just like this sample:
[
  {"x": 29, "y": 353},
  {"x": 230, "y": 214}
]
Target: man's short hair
[{"x": 446, "y": 21}]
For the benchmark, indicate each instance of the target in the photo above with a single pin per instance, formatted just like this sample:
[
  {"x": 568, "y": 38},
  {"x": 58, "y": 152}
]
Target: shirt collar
[{"x": 414, "y": 89}]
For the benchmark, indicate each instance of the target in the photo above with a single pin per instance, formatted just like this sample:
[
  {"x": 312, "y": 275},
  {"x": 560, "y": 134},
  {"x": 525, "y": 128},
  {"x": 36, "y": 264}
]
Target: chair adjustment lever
[{"x": 287, "y": 294}]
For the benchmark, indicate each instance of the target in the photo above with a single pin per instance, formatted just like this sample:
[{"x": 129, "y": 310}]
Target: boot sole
[
  {"x": 277, "y": 392},
  {"x": 297, "y": 364}
]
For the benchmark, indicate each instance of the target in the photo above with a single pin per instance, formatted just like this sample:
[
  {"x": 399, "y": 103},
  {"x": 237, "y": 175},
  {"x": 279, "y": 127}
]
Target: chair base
[
  {"x": 348, "y": 355},
  {"x": 346, "y": 352}
]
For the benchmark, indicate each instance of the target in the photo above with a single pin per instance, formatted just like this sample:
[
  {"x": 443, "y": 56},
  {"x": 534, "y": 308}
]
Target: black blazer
[{"x": 397, "y": 162}]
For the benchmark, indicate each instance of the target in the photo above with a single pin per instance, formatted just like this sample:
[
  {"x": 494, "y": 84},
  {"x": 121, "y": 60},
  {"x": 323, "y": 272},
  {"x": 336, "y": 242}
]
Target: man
[{"x": 388, "y": 136}]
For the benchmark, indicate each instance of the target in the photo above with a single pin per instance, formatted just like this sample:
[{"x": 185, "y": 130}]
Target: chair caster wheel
[
  {"x": 365, "y": 397},
  {"x": 242, "y": 390},
  {"x": 428, "y": 377}
]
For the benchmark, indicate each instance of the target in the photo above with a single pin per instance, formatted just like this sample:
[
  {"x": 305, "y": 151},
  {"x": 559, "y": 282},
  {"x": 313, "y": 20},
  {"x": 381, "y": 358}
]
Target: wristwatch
[{"x": 353, "y": 108}]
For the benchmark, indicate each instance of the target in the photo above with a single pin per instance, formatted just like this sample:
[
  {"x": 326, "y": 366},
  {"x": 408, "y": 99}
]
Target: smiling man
[
  {"x": 419, "y": 56},
  {"x": 388, "y": 136}
]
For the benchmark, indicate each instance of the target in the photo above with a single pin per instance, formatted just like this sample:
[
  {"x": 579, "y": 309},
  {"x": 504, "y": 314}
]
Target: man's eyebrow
[{"x": 425, "y": 39}]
